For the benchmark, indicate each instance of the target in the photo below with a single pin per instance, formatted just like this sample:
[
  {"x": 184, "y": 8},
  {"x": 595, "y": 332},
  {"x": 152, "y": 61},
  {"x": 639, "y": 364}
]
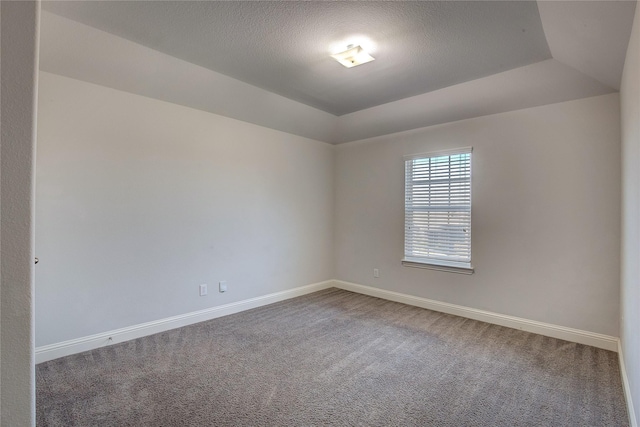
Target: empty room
[{"x": 303, "y": 213}]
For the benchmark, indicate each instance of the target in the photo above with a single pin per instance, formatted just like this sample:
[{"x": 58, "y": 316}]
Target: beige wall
[
  {"x": 140, "y": 201},
  {"x": 545, "y": 221},
  {"x": 630, "y": 280}
]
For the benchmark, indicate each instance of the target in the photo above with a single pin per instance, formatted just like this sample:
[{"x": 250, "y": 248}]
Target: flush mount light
[{"x": 354, "y": 55}]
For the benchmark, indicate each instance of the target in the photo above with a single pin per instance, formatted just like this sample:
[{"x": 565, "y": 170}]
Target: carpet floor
[{"x": 335, "y": 358}]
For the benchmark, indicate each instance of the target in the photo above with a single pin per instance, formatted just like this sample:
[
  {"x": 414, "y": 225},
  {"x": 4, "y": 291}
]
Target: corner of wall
[
  {"x": 20, "y": 40},
  {"x": 630, "y": 245}
]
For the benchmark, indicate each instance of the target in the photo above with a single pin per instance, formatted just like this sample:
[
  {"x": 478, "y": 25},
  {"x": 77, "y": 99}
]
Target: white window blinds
[{"x": 438, "y": 209}]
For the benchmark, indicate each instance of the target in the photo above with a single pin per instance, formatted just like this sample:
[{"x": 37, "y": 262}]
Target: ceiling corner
[{"x": 589, "y": 36}]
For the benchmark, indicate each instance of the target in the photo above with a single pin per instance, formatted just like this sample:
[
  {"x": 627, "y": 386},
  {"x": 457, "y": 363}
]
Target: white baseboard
[
  {"x": 66, "y": 348},
  {"x": 633, "y": 421},
  {"x": 574, "y": 335}
]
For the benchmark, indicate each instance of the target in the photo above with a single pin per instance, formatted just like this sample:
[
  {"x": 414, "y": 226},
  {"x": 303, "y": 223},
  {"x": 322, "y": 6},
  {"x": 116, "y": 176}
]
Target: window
[{"x": 437, "y": 226}]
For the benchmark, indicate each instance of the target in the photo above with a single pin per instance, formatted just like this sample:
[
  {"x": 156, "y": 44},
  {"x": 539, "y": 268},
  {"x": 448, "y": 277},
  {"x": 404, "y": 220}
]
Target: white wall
[
  {"x": 545, "y": 221},
  {"x": 140, "y": 201},
  {"x": 19, "y": 21},
  {"x": 630, "y": 280}
]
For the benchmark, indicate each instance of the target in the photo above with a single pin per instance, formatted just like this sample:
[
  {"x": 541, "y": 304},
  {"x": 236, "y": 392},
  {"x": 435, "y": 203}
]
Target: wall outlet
[
  {"x": 203, "y": 290},
  {"x": 376, "y": 273},
  {"x": 223, "y": 286}
]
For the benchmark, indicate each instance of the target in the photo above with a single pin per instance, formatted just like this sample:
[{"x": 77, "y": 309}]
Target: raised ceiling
[
  {"x": 268, "y": 63},
  {"x": 284, "y": 46}
]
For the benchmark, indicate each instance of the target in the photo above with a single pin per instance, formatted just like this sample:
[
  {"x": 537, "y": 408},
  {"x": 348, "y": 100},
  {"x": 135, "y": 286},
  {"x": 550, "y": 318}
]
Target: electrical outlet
[
  {"x": 223, "y": 286},
  {"x": 376, "y": 273},
  {"x": 203, "y": 290}
]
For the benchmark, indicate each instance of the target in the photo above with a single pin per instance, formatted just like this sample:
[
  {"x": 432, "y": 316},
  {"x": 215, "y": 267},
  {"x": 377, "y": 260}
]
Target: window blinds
[{"x": 438, "y": 208}]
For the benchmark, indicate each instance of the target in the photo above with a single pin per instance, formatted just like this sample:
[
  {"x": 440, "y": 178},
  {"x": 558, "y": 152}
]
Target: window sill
[{"x": 439, "y": 267}]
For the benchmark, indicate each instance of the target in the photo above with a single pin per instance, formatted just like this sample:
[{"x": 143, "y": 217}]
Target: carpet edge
[
  {"x": 90, "y": 342},
  {"x": 78, "y": 345},
  {"x": 594, "y": 339}
]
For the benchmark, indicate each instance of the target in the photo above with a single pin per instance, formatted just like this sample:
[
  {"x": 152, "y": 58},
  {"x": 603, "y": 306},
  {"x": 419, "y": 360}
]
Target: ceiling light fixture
[{"x": 354, "y": 55}]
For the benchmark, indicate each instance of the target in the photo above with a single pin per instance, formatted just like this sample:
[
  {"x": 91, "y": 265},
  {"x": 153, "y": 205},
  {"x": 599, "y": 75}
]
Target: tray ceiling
[
  {"x": 269, "y": 63},
  {"x": 284, "y": 46}
]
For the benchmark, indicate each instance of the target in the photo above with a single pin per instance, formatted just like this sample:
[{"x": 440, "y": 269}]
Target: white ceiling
[{"x": 425, "y": 52}]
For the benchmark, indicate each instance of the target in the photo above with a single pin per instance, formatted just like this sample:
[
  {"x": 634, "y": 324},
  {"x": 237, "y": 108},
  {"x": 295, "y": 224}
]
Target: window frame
[{"x": 408, "y": 260}]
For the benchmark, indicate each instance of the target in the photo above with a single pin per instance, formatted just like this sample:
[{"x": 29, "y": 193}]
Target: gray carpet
[{"x": 335, "y": 358}]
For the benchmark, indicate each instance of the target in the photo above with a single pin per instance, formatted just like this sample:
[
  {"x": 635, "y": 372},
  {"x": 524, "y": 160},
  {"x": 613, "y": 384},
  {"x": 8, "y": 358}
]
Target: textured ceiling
[
  {"x": 284, "y": 47},
  {"x": 589, "y": 36}
]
